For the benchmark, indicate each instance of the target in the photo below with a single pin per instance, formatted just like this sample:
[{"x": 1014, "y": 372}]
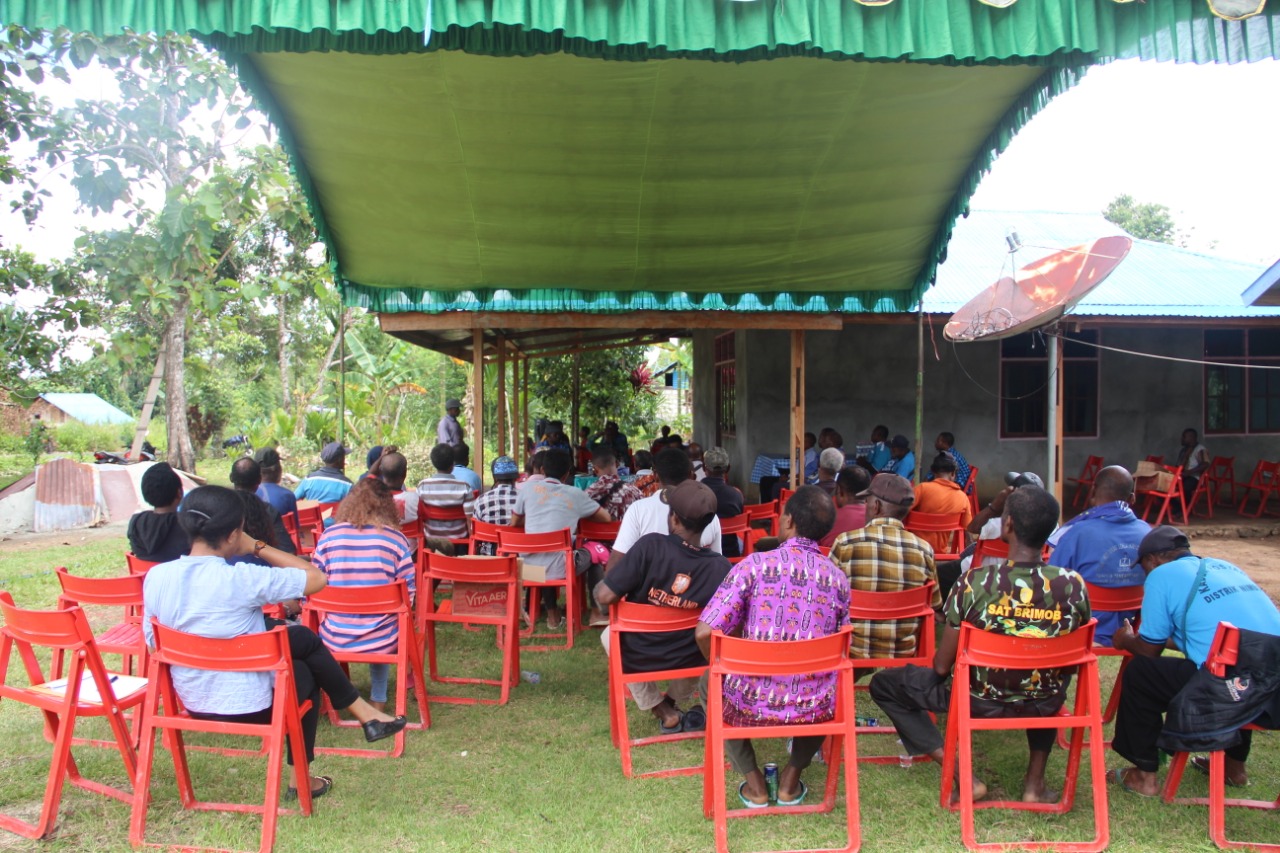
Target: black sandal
[{"x": 326, "y": 783}]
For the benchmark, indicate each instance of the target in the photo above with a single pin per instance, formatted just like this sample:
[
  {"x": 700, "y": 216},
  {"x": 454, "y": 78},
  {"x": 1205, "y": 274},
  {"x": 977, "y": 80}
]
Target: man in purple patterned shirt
[{"x": 791, "y": 593}]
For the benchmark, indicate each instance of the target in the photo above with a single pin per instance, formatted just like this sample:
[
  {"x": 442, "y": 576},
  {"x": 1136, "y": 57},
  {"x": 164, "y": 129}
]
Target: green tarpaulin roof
[{"x": 578, "y": 155}]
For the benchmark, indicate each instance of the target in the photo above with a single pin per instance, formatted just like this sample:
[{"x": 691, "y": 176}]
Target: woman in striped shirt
[{"x": 365, "y": 547}]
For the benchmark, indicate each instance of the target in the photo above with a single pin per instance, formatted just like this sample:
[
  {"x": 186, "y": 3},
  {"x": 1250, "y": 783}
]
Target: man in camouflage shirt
[{"x": 1021, "y": 598}]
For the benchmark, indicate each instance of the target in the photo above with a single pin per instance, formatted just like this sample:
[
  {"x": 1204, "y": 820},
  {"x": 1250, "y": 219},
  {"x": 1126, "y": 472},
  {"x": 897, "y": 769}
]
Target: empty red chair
[
  {"x": 938, "y": 523},
  {"x": 1222, "y": 472},
  {"x": 123, "y": 637},
  {"x": 1159, "y": 460},
  {"x": 515, "y": 542},
  {"x": 137, "y": 565},
  {"x": 629, "y": 618},
  {"x": 766, "y": 512},
  {"x": 263, "y": 652},
  {"x": 736, "y": 656},
  {"x": 899, "y": 605},
  {"x": 1084, "y": 483},
  {"x": 390, "y": 599},
  {"x": 1165, "y": 499},
  {"x": 1224, "y": 652},
  {"x": 429, "y": 513},
  {"x": 62, "y": 702},
  {"x": 496, "y": 577},
  {"x": 1265, "y": 480},
  {"x": 988, "y": 649}
]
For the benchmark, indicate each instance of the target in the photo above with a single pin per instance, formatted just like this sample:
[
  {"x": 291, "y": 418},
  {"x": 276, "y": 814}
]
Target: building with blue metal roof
[{"x": 58, "y": 407}]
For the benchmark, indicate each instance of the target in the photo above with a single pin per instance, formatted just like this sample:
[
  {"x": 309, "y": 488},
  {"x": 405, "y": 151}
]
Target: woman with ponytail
[{"x": 205, "y": 593}]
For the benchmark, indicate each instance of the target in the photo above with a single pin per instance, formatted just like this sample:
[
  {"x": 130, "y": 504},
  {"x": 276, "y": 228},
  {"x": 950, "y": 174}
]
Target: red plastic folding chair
[
  {"x": 629, "y": 618},
  {"x": 263, "y": 652},
  {"x": 137, "y": 565},
  {"x": 309, "y": 527},
  {"x": 391, "y": 599},
  {"x": 898, "y": 605},
  {"x": 1122, "y": 599},
  {"x": 1159, "y": 460},
  {"x": 1222, "y": 472},
  {"x": 1166, "y": 498},
  {"x": 515, "y": 542},
  {"x": 493, "y": 579},
  {"x": 63, "y": 632},
  {"x": 989, "y": 649},
  {"x": 604, "y": 532},
  {"x": 740, "y": 525},
  {"x": 412, "y": 531},
  {"x": 971, "y": 489},
  {"x": 735, "y": 656},
  {"x": 122, "y": 638},
  {"x": 947, "y": 523},
  {"x": 766, "y": 512},
  {"x": 994, "y": 548},
  {"x": 1084, "y": 483},
  {"x": 430, "y": 513},
  {"x": 1265, "y": 480},
  {"x": 1224, "y": 652},
  {"x": 482, "y": 531},
  {"x": 784, "y": 495}
]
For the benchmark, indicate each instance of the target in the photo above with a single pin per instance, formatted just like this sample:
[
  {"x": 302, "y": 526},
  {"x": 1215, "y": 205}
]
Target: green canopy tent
[{"x": 526, "y": 175}]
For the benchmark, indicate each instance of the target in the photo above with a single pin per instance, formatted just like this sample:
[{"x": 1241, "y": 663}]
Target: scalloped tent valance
[{"x": 568, "y": 155}]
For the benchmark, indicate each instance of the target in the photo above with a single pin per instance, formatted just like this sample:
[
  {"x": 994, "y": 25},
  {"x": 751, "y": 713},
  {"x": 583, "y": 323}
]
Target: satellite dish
[{"x": 1040, "y": 293}]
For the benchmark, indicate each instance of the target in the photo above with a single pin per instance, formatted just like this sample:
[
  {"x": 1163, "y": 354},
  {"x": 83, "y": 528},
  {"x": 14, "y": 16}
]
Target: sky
[{"x": 1199, "y": 139}]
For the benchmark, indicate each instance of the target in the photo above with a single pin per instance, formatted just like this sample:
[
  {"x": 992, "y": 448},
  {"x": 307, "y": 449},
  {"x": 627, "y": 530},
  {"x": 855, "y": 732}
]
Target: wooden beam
[
  {"x": 797, "y": 408},
  {"x": 477, "y": 408},
  {"x": 502, "y": 397},
  {"x": 609, "y": 344},
  {"x": 524, "y": 412},
  {"x": 676, "y": 320}
]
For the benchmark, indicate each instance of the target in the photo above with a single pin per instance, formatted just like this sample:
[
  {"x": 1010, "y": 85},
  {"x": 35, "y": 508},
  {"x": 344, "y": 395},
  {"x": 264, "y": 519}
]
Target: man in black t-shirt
[{"x": 668, "y": 570}]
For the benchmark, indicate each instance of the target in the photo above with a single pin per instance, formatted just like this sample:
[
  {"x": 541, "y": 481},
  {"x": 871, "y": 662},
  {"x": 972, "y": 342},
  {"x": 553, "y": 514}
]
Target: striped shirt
[
  {"x": 885, "y": 557},
  {"x": 363, "y": 556},
  {"x": 441, "y": 490}
]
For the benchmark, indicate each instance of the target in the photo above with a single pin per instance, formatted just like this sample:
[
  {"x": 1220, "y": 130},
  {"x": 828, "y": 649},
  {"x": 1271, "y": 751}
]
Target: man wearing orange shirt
[{"x": 943, "y": 494}]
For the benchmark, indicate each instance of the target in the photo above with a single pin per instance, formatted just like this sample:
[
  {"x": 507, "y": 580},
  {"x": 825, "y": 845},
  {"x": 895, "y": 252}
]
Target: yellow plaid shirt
[{"x": 885, "y": 557}]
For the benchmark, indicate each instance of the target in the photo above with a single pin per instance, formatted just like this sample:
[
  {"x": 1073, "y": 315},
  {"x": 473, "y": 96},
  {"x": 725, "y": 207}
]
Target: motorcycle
[{"x": 106, "y": 457}]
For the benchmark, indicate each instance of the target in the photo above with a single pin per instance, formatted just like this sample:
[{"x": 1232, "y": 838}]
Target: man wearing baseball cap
[
  {"x": 728, "y": 498},
  {"x": 496, "y": 505},
  {"x": 449, "y": 431},
  {"x": 883, "y": 556},
  {"x": 328, "y": 483},
  {"x": 669, "y": 570},
  {"x": 1184, "y": 598},
  {"x": 285, "y": 501}
]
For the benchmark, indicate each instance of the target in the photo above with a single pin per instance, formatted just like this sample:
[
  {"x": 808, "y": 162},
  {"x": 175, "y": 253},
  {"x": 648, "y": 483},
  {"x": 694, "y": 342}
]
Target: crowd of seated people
[{"x": 848, "y": 532}]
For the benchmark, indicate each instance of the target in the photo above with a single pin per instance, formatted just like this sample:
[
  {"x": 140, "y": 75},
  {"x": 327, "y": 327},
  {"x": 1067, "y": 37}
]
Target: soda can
[{"x": 771, "y": 781}]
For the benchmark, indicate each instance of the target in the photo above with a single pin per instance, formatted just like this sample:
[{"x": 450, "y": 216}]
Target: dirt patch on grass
[
  {"x": 1260, "y": 558},
  {"x": 84, "y": 536}
]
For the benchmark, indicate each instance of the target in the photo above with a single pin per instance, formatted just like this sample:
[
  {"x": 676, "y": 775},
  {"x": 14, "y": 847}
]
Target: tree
[
  {"x": 606, "y": 390},
  {"x": 1144, "y": 220},
  {"x": 164, "y": 138}
]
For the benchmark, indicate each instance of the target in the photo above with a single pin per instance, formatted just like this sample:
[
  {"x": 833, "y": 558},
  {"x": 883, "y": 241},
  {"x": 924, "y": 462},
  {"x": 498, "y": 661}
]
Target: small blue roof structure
[
  {"x": 1266, "y": 290},
  {"x": 1154, "y": 280},
  {"x": 87, "y": 408}
]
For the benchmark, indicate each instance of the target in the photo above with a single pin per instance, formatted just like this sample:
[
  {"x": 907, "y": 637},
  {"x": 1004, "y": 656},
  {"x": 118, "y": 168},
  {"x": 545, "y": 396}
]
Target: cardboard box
[
  {"x": 1148, "y": 469},
  {"x": 480, "y": 599},
  {"x": 532, "y": 573},
  {"x": 1161, "y": 482}
]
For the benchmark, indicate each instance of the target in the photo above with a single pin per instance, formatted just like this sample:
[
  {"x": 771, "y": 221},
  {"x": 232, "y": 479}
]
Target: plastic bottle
[
  {"x": 531, "y": 677},
  {"x": 904, "y": 758}
]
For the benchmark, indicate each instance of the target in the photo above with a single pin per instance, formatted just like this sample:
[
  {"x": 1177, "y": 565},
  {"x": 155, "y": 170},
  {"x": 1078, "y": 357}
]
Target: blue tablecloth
[
  {"x": 770, "y": 465},
  {"x": 582, "y": 481}
]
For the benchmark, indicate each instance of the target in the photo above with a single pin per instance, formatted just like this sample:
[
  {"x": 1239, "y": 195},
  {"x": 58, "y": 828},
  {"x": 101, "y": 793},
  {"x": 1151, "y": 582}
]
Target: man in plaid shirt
[
  {"x": 885, "y": 557},
  {"x": 495, "y": 506}
]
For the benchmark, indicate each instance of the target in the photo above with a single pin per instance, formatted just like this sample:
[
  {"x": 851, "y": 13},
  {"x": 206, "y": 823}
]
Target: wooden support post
[
  {"x": 1053, "y": 477},
  {"x": 477, "y": 400},
  {"x": 574, "y": 403},
  {"x": 920, "y": 392},
  {"x": 797, "y": 408},
  {"x": 502, "y": 396},
  {"x": 524, "y": 413}
]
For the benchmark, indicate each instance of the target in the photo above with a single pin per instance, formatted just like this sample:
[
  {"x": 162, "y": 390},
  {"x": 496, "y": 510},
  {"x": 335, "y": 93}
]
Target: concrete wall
[{"x": 866, "y": 375}]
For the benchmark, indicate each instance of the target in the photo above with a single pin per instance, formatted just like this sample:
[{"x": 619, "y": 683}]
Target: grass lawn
[{"x": 538, "y": 774}]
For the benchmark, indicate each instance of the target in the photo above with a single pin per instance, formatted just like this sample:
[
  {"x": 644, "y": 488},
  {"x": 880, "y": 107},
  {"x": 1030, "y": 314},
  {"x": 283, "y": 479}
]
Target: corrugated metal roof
[
  {"x": 1155, "y": 280},
  {"x": 87, "y": 408},
  {"x": 67, "y": 496}
]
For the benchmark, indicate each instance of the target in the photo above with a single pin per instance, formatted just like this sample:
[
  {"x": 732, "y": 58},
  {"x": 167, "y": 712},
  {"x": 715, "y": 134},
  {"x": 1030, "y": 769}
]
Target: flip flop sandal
[
  {"x": 804, "y": 791},
  {"x": 326, "y": 783},
  {"x": 1118, "y": 777},
  {"x": 746, "y": 802},
  {"x": 695, "y": 719},
  {"x": 677, "y": 728},
  {"x": 1201, "y": 763}
]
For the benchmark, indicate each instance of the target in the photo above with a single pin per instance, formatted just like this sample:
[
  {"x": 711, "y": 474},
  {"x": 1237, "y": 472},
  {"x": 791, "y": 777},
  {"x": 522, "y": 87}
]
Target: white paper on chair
[{"x": 121, "y": 685}]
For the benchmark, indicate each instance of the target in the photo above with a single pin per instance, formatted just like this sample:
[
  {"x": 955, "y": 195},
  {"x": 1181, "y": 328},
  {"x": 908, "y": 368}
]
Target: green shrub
[{"x": 80, "y": 438}]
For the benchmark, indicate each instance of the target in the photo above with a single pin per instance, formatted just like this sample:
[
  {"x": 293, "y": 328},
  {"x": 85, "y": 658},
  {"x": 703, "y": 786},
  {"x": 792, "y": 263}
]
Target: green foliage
[
  {"x": 80, "y": 438},
  {"x": 1144, "y": 220},
  {"x": 606, "y": 390}
]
